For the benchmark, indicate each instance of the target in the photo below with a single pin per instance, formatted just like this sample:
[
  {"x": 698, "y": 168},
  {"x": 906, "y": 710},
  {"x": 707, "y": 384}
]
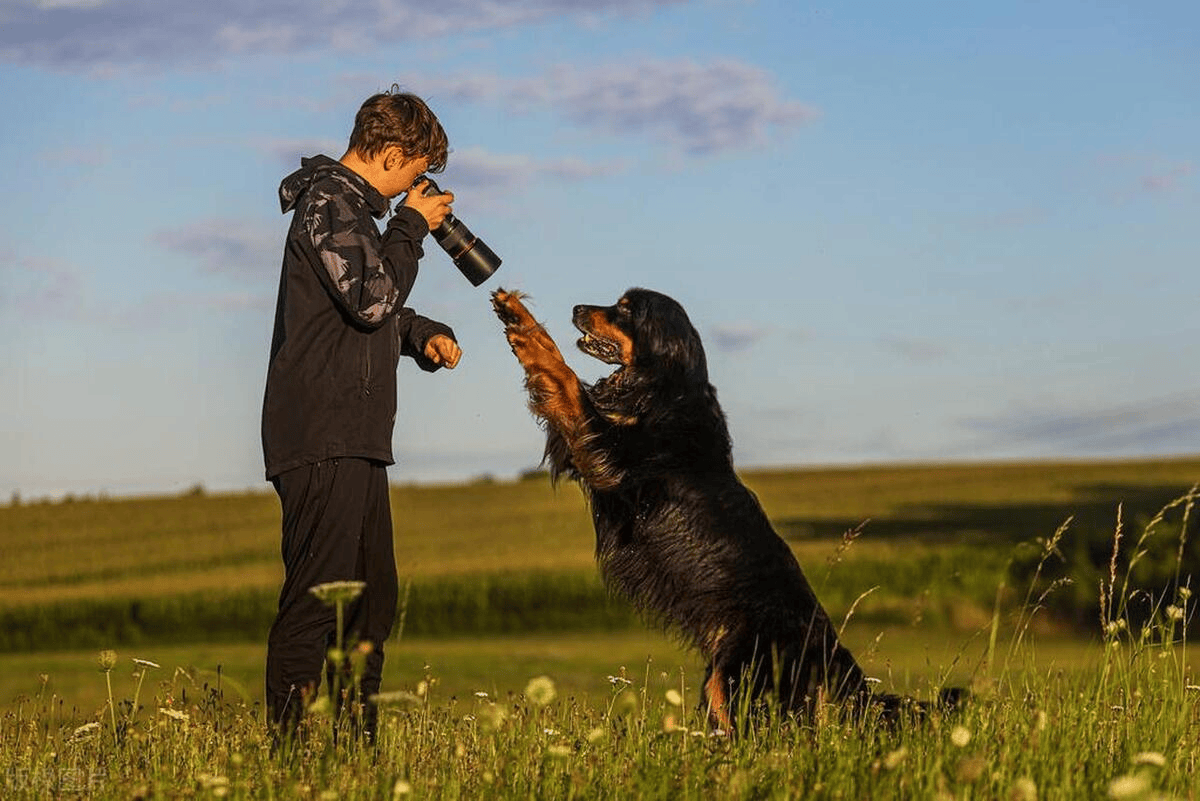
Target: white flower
[
  {"x": 1023, "y": 789},
  {"x": 174, "y": 714},
  {"x": 1130, "y": 786},
  {"x": 400, "y": 788},
  {"x": 960, "y": 736},
  {"x": 674, "y": 698},
  {"x": 894, "y": 758},
  {"x": 395, "y": 698},
  {"x": 334, "y": 592},
  {"x": 84, "y": 730},
  {"x": 1174, "y": 613},
  {"x": 540, "y": 690}
]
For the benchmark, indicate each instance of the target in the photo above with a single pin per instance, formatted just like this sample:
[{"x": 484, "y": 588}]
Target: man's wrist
[{"x": 409, "y": 221}]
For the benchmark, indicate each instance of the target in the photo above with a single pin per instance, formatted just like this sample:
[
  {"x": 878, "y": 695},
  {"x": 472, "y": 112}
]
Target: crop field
[{"x": 133, "y": 638}]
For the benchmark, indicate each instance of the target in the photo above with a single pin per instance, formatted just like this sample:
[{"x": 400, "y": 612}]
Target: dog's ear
[{"x": 664, "y": 339}]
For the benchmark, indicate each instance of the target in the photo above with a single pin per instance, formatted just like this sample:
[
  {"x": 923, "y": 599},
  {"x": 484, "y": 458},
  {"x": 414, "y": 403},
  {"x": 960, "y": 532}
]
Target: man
[{"x": 330, "y": 402}]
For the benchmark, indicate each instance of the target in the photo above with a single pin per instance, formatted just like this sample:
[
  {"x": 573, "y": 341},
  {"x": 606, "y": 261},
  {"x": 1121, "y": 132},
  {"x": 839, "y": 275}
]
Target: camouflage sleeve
[{"x": 353, "y": 260}]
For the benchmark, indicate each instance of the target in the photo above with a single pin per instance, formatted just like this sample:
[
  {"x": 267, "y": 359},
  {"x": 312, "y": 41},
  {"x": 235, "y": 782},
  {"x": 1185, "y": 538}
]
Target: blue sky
[{"x": 906, "y": 231}]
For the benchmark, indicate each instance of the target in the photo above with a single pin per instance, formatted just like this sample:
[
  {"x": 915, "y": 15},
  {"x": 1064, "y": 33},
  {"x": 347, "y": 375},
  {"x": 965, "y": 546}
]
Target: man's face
[{"x": 400, "y": 172}]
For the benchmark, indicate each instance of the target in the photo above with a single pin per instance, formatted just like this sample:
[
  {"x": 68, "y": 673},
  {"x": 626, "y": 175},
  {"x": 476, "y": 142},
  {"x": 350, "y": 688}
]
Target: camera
[{"x": 473, "y": 258}]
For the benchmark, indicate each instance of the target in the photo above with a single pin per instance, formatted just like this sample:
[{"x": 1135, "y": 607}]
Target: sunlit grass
[
  {"x": 1127, "y": 727},
  {"x": 617, "y": 715}
]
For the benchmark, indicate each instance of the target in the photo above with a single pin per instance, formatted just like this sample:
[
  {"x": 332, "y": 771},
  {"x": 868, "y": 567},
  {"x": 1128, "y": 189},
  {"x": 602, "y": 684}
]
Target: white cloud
[
  {"x": 233, "y": 247},
  {"x": 734, "y": 337},
  {"x": 915, "y": 349},
  {"x": 697, "y": 108},
  {"x": 94, "y": 35},
  {"x": 1155, "y": 425}
]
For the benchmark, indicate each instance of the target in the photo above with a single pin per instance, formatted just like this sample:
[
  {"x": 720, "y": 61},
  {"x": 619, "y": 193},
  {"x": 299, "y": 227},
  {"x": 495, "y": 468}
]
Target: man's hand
[
  {"x": 443, "y": 351},
  {"x": 433, "y": 208}
]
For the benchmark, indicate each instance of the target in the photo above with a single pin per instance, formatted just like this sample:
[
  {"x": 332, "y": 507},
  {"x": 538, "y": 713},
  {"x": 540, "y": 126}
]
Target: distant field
[{"x": 517, "y": 556}]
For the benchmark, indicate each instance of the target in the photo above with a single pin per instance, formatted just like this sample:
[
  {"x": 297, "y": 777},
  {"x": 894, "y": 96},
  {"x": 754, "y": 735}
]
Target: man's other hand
[{"x": 443, "y": 351}]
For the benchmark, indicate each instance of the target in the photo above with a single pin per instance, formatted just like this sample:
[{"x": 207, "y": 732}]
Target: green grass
[
  {"x": 1120, "y": 720},
  {"x": 1108, "y": 711}
]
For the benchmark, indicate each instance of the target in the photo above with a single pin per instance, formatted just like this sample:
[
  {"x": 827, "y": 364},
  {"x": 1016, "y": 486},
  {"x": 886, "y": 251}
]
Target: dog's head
[{"x": 644, "y": 331}]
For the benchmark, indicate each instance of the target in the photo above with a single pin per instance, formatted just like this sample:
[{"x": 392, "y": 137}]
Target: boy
[{"x": 330, "y": 402}]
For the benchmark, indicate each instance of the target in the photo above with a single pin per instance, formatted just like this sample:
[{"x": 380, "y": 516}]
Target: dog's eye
[{"x": 623, "y": 308}]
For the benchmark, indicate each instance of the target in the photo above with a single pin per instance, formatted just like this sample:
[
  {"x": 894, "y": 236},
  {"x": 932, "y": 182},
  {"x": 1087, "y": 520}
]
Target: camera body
[{"x": 473, "y": 258}]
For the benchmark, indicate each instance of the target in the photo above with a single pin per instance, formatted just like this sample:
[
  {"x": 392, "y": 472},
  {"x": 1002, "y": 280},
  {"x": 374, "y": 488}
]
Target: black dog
[{"x": 676, "y": 531}]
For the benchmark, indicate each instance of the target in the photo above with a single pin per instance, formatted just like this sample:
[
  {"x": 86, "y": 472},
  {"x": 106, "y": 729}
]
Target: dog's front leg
[{"x": 555, "y": 392}]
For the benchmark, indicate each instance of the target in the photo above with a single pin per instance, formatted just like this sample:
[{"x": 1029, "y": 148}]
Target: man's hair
[{"x": 401, "y": 119}]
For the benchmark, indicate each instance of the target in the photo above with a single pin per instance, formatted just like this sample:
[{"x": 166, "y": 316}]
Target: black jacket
[{"x": 340, "y": 320}]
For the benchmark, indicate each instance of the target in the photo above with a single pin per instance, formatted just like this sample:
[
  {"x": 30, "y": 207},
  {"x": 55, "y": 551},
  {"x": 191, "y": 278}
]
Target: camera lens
[{"x": 473, "y": 258}]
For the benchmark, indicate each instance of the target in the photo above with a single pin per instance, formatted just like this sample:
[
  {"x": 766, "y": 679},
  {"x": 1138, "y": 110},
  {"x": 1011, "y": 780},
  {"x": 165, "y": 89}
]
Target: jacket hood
[{"x": 313, "y": 169}]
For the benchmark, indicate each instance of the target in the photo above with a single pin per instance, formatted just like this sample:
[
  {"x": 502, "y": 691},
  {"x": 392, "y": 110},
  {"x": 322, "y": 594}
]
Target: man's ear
[{"x": 394, "y": 158}]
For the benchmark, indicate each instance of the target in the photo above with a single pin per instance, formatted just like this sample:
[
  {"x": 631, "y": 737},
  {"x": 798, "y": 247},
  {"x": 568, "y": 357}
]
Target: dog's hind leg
[{"x": 716, "y": 698}]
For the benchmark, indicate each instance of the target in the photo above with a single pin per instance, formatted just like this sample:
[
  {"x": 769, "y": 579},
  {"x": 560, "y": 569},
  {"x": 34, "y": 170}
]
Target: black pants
[{"x": 337, "y": 526}]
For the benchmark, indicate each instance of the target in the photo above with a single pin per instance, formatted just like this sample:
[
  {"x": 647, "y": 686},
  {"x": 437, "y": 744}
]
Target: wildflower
[
  {"x": 960, "y": 736},
  {"x": 174, "y": 714},
  {"x": 422, "y": 688},
  {"x": 894, "y": 758},
  {"x": 674, "y": 698},
  {"x": 480, "y": 694},
  {"x": 84, "y": 730},
  {"x": 1174, "y": 613},
  {"x": 670, "y": 724},
  {"x": 1129, "y": 786},
  {"x": 615, "y": 680},
  {"x": 1150, "y": 758},
  {"x": 1023, "y": 789},
  {"x": 1184, "y": 593},
  {"x": 492, "y": 716},
  {"x": 625, "y": 704},
  {"x": 145, "y": 663},
  {"x": 395, "y": 698},
  {"x": 335, "y": 592},
  {"x": 107, "y": 660},
  {"x": 209, "y": 781},
  {"x": 400, "y": 788},
  {"x": 540, "y": 690}
]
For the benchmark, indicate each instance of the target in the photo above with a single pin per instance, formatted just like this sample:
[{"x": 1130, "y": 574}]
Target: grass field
[{"x": 502, "y": 589}]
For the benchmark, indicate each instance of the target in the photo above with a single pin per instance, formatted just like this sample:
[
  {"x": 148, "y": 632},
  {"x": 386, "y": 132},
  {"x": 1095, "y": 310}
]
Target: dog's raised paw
[{"x": 509, "y": 308}]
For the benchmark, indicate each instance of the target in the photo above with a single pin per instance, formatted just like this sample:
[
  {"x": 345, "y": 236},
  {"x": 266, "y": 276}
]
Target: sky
[{"x": 906, "y": 232}]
